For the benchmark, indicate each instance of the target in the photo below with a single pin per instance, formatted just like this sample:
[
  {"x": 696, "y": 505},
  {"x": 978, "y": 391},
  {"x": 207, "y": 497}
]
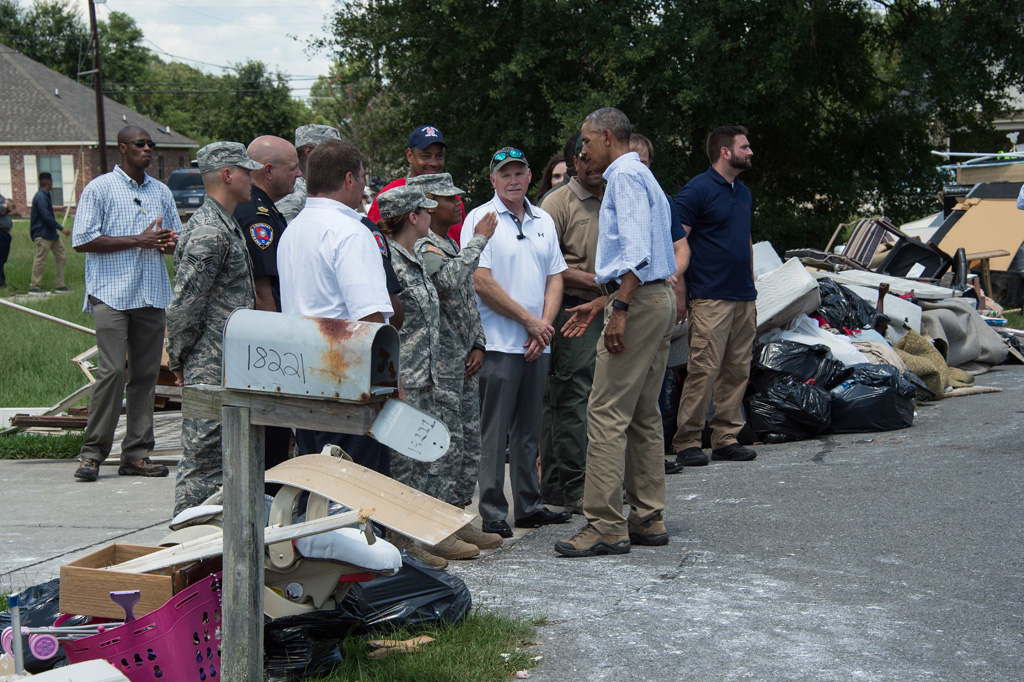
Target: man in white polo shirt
[
  {"x": 330, "y": 266},
  {"x": 519, "y": 291}
]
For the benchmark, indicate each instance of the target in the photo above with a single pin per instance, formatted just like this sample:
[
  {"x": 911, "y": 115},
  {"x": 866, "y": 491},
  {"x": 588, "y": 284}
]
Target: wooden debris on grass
[{"x": 386, "y": 647}]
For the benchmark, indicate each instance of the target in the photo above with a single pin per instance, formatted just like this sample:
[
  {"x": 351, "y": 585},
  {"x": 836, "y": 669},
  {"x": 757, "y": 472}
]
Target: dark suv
[{"x": 187, "y": 187}]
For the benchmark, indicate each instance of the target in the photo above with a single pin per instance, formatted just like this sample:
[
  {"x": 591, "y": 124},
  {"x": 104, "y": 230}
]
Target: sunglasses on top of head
[
  {"x": 514, "y": 153},
  {"x": 144, "y": 143}
]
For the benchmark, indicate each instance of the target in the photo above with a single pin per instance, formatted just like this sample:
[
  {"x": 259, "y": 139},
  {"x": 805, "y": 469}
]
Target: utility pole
[{"x": 97, "y": 80}]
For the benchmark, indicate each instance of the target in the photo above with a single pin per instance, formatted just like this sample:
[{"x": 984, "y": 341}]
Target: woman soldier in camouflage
[
  {"x": 404, "y": 221},
  {"x": 457, "y": 393}
]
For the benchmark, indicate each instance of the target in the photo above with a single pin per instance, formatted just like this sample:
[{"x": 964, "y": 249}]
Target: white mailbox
[{"x": 310, "y": 356}]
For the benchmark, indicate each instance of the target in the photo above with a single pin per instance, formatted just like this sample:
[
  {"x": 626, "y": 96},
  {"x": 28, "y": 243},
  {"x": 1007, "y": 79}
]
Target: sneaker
[
  {"x": 479, "y": 538},
  {"x": 588, "y": 542},
  {"x": 454, "y": 549},
  {"x": 413, "y": 549},
  {"x": 574, "y": 506},
  {"x": 651, "y": 532},
  {"x": 734, "y": 453},
  {"x": 692, "y": 457},
  {"x": 673, "y": 466},
  {"x": 35, "y": 290},
  {"x": 62, "y": 289},
  {"x": 142, "y": 467},
  {"x": 543, "y": 517},
  {"x": 89, "y": 471}
]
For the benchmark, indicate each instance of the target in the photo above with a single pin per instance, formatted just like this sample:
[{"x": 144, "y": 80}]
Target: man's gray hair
[{"x": 613, "y": 120}]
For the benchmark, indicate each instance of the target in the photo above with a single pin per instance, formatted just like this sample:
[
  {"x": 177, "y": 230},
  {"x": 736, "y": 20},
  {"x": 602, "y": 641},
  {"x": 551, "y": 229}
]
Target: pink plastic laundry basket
[{"x": 178, "y": 642}]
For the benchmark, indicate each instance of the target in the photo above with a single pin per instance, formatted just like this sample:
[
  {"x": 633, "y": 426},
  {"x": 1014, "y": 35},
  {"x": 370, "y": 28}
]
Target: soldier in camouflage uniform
[
  {"x": 405, "y": 221},
  {"x": 307, "y": 137},
  {"x": 212, "y": 278},
  {"x": 457, "y": 392}
]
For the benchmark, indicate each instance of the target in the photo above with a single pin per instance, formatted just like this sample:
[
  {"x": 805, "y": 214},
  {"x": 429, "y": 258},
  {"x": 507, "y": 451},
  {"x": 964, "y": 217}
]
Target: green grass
[
  {"x": 484, "y": 647},
  {"x": 35, "y": 354},
  {"x": 40, "y": 446},
  {"x": 1014, "y": 320}
]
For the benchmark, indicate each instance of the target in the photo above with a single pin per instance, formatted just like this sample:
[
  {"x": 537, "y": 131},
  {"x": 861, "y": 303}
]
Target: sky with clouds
[{"x": 213, "y": 33}]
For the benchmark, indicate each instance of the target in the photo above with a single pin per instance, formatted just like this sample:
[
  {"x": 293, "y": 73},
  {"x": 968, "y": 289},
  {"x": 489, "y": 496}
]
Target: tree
[
  {"x": 844, "y": 98},
  {"x": 50, "y": 32},
  {"x": 125, "y": 61}
]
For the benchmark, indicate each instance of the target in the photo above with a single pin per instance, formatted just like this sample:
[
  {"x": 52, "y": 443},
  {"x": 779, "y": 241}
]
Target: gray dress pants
[{"x": 511, "y": 401}]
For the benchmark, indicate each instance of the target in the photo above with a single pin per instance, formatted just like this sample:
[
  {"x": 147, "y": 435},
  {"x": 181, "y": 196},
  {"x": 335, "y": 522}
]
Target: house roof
[{"x": 41, "y": 106}]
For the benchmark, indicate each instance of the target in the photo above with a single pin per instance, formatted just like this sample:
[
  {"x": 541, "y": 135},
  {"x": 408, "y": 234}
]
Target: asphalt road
[{"x": 886, "y": 556}]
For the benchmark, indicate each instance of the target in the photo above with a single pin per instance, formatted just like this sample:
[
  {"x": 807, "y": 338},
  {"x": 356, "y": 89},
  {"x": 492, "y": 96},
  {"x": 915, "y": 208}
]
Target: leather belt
[{"x": 611, "y": 286}]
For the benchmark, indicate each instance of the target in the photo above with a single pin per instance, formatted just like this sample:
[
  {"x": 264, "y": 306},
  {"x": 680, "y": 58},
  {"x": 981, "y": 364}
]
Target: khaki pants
[
  {"x": 43, "y": 247},
  {"x": 625, "y": 439},
  {"x": 721, "y": 341}
]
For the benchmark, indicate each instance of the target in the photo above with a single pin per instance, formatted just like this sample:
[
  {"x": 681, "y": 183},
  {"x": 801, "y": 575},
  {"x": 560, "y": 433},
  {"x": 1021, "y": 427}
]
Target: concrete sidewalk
[{"x": 887, "y": 556}]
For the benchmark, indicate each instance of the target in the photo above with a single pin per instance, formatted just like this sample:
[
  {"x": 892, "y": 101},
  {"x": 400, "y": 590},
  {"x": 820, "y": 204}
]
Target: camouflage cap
[
  {"x": 438, "y": 184},
  {"x": 314, "y": 134},
  {"x": 507, "y": 155},
  {"x": 217, "y": 155},
  {"x": 401, "y": 200}
]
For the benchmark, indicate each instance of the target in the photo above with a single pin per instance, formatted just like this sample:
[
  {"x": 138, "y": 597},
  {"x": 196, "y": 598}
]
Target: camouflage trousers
[
  {"x": 200, "y": 471},
  {"x": 453, "y": 477}
]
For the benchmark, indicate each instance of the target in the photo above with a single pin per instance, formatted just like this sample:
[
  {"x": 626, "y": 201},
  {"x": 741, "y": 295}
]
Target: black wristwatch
[{"x": 620, "y": 305}]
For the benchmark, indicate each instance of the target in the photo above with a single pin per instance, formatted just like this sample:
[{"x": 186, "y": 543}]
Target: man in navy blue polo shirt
[{"x": 715, "y": 210}]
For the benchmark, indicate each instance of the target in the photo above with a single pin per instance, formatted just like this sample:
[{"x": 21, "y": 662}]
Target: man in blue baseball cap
[{"x": 425, "y": 153}]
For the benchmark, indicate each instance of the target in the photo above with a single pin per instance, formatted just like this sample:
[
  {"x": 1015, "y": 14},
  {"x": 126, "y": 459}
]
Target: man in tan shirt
[{"x": 563, "y": 437}]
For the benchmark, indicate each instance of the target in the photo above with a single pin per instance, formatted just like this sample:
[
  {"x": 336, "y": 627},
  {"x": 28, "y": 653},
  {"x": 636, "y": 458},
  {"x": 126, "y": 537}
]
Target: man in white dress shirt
[{"x": 330, "y": 266}]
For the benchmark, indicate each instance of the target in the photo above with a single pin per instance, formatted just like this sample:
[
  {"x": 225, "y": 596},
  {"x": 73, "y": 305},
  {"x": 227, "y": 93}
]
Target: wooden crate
[{"x": 85, "y": 588}]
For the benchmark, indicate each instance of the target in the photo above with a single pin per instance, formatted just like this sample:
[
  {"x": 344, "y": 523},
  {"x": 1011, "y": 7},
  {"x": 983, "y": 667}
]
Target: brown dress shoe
[
  {"x": 142, "y": 467},
  {"x": 89, "y": 471}
]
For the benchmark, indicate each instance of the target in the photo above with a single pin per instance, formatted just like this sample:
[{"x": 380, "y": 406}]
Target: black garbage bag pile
[
  {"x": 307, "y": 645},
  {"x": 843, "y": 309},
  {"x": 873, "y": 398},
  {"x": 790, "y": 383},
  {"x": 789, "y": 410}
]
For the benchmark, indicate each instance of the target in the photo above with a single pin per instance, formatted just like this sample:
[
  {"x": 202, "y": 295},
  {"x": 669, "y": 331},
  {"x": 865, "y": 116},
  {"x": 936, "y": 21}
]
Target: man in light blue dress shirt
[
  {"x": 635, "y": 258},
  {"x": 124, "y": 223}
]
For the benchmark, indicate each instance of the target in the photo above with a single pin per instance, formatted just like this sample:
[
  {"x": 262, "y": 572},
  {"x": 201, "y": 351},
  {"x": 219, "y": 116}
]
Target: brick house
[{"x": 48, "y": 123}]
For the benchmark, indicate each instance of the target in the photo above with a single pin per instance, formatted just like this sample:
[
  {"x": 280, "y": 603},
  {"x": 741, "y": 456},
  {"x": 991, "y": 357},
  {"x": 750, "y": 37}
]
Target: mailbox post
[{"x": 298, "y": 372}]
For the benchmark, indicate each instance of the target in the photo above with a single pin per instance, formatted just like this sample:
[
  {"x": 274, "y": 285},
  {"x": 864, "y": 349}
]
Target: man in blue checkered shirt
[{"x": 124, "y": 224}]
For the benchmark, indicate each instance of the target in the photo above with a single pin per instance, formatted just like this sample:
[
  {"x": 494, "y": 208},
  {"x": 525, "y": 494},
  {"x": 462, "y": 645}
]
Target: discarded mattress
[
  {"x": 765, "y": 259},
  {"x": 785, "y": 293},
  {"x": 897, "y": 285},
  {"x": 896, "y": 309}
]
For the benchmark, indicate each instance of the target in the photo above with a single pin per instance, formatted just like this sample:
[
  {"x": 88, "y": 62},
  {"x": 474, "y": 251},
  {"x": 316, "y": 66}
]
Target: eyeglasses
[
  {"x": 514, "y": 153},
  {"x": 144, "y": 143}
]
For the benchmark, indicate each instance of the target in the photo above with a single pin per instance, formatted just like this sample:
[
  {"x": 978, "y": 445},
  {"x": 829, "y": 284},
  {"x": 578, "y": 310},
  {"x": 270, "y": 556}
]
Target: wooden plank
[
  {"x": 395, "y": 504},
  {"x": 243, "y": 452},
  {"x": 205, "y": 402},
  {"x": 213, "y": 544},
  {"x": 27, "y": 421}
]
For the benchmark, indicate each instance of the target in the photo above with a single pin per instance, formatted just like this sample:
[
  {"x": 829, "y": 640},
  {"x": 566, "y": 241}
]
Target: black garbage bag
[
  {"x": 789, "y": 410},
  {"x": 843, "y": 309},
  {"x": 416, "y": 594},
  {"x": 39, "y": 609},
  {"x": 797, "y": 360},
  {"x": 305, "y": 645},
  {"x": 873, "y": 398}
]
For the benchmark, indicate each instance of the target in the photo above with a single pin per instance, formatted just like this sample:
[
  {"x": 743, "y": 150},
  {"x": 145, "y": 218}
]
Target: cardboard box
[{"x": 85, "y": 589}]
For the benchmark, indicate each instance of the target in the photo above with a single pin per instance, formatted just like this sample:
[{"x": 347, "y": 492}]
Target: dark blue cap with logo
[{"x": 424, "y": 136}]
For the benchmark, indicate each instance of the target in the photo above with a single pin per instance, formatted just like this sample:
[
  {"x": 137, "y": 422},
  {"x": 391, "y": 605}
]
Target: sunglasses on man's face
[
  {"x": 514, "y": 153},
  {"x": 144, "y": 143}
]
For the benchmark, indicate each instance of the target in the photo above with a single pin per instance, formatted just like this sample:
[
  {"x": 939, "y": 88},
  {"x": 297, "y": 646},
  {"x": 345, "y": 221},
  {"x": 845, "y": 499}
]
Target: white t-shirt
[
  {"x": 519, "y": 266},
  {"x": 330, "y": 266}
]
